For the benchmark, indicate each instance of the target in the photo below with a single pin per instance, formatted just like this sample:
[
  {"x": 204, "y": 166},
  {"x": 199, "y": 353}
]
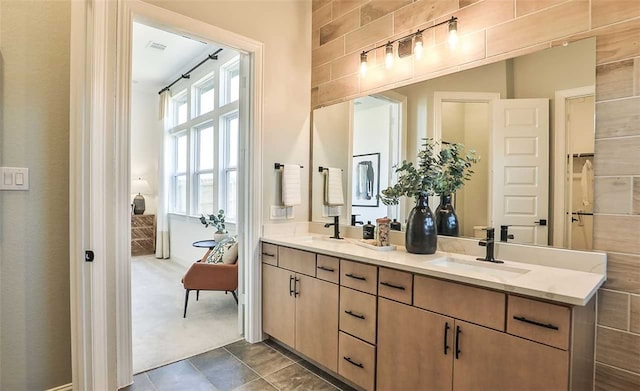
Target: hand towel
[
  {"x": 291, "y": 185},
  {"x": 586, "y": 183},
  {"x": 333, "y": 187}
]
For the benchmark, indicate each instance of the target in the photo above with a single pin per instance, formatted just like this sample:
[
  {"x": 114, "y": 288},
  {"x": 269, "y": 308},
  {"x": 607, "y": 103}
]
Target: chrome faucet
[
  {"x": 488, "y": 242},
  {"x": 336, "y": 227}
]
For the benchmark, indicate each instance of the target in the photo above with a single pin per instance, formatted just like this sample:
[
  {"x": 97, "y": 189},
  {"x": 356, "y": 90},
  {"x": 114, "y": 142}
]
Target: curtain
[{"x": 162, "y": 228}]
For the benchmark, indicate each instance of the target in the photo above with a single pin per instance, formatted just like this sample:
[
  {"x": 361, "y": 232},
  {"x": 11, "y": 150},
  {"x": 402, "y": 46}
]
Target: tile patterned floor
[{"x": 239, "y": 366}]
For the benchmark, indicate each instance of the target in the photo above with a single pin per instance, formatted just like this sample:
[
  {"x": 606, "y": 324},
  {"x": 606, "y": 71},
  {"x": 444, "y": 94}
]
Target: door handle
[
  {"x": 291, "y": 289},
  {"x": 458, "y": 332},
  {"x": 446, "y": 332},
  {"x": 541, "y": 222},
  {"x": 296, "y": 292}
]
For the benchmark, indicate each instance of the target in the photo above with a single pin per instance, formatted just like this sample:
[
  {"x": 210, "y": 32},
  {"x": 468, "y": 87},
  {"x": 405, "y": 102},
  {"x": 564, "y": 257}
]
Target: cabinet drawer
[
  {"x": 359, "y": 276},
  {"x": 297, "y": 260},
  {"x": 539, "y": 321},
  {"x": 395, "y": 285},
  {"x": 270, "y": 254},
  {"x": 356, "y": 361},
  {"x": 358, "y": 314},
  {"x": 328, "y": 268},
  {"x": 476, "y": 305}
]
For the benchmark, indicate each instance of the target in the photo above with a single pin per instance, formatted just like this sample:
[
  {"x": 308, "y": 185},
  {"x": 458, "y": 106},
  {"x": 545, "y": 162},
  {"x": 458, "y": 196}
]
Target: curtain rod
[{"x": 213, "y": 56}]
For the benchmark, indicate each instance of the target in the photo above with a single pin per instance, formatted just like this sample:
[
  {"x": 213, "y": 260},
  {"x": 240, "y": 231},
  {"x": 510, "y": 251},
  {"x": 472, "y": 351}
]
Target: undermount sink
[{"x": 486, "y": 268}]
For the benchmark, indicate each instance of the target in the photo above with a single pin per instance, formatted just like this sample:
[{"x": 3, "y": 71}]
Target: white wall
[
  {"x": 285, "y": 29},
  {"x": 371, "y": 134},
  {"x": 146, "y": 136},
  {"x": 331, "y": 134},
  {"x": 35, "y": 336}
]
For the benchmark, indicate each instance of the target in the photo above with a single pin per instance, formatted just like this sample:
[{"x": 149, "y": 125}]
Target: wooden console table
[{"x": 143, "y": 234}]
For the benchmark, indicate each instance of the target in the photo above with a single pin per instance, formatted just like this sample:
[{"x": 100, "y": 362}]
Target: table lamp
[{"x": 139, "y": 186}]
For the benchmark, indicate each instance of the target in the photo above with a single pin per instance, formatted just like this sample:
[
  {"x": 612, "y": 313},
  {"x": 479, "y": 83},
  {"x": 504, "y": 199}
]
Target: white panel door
[{"x": 521, "y": 168}]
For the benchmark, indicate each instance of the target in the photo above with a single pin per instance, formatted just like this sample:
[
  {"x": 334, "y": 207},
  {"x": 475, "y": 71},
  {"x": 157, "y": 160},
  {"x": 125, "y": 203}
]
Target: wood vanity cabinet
[
  {"x": 298, "y": 309},
  {"x": 386, "y": 329}
]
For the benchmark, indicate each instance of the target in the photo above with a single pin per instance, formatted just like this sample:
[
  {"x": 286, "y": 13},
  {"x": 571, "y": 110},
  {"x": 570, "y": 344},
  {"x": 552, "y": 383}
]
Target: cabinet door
[
  {"x": 278, "y": 306},
  {"x": 491, "y": 360},
  {"x": 415, "y": 352},
  {"x": 317, "y": 320}
]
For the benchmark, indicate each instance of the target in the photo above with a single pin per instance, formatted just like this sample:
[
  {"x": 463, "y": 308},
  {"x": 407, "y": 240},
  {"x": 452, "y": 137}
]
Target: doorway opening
[{"x": 185, "y": 116}]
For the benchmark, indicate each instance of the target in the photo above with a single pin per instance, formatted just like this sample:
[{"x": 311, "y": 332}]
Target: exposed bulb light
[
  {"x": 388, "y": 60},
  {"x": 417, "y": 48},
  {"x": 453, "y": 32},
  {"x": 363, "y": 64}
]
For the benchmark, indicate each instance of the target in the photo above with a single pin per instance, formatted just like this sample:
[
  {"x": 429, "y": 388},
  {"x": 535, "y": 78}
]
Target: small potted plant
[
  {"x": 218, "y": 222},
  {"x": 417, "y": 182}
]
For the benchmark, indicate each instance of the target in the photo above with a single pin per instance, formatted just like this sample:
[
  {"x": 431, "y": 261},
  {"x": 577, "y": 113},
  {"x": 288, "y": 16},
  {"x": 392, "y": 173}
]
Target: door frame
[
  {"x": 100, "y": 174},
  {"x": 559, "y": 221},
  {"x": 466, "y": 97}
]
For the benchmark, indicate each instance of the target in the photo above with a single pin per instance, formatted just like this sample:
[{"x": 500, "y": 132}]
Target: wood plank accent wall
[{"x": 494, "y": 30}]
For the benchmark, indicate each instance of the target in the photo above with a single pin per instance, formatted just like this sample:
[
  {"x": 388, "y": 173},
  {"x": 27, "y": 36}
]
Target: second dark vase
[
  {"x": 446, "y": 218},
  {"x": 421, "y": 236}
]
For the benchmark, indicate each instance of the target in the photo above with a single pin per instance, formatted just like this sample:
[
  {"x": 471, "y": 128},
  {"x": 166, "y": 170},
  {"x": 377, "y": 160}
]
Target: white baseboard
[{"x": 64, "y": 387}]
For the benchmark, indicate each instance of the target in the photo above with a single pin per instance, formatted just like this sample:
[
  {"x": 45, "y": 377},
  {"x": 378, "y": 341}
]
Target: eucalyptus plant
[
  {"x": 455, "y": 168},
  {"x": 436, "y": 173},
  {"x": 215, "y": 221},
  {"x": 414, "y": 181}
]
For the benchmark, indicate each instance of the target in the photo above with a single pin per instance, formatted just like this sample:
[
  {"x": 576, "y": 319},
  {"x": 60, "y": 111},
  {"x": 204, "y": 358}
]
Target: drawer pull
[
  {"x": 350, "y": 361},
  {"x": 325, "y": 268},
  {"x": 458, "y": 332},
  {"x": 355, "y": 276},
  {"x": 349, "y": 312},
  {"x": 390, "y": 285},
  {"x": 533, "y": 322},
  {"x": 446, "y": 332},
  {"x": 268, "y": 255}
]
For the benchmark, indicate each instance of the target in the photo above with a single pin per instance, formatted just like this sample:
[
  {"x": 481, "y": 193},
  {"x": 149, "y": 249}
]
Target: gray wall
[{"x": 34, "y": 242}]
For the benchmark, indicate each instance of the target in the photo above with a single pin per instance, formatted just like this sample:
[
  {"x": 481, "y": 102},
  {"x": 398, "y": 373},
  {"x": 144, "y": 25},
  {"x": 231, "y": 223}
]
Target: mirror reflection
[{"x": 530, "y": 120}]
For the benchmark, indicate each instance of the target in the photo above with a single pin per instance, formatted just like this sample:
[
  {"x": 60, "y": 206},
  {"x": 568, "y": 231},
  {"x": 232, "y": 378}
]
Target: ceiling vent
[{"x": 156, "y": 45}]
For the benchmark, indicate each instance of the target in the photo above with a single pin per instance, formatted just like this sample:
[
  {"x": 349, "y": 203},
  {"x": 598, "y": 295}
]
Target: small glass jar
[{"x": 382, "y": 230}]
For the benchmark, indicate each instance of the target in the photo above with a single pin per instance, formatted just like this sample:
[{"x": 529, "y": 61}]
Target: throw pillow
[
  {"x": 215, "y": 256},
  {"x": 230, "y": 255}
]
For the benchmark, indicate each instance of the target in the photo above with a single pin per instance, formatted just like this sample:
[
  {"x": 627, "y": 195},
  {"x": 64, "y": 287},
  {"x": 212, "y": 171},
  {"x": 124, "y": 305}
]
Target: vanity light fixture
[
  {"x": 388, "y": 57},
  {"x": 418, "y": 44},
  {"x": 453, "y": 32}
]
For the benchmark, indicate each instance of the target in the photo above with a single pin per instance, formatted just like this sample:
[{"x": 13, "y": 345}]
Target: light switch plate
[
  {"x": 278, "y": 212},
  {"x": 14, "y": 178}
]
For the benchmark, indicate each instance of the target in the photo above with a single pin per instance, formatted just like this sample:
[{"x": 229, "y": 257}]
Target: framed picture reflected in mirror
[{"x": 366, "y": 180}]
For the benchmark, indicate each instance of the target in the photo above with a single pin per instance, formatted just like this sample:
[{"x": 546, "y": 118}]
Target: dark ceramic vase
[
  {"x": 446, "y": 218},
  {"x": 421, "y": 235}
]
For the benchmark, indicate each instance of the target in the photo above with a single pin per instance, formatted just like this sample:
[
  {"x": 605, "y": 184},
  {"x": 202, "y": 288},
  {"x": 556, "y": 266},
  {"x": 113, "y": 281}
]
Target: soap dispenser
[
  {"x": 396, "y": 225},
  {"x": 368, "y": 231}
]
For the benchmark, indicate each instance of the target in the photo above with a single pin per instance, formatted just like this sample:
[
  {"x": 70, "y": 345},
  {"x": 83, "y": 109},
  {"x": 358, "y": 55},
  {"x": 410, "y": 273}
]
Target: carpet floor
[{"x": 160, "y": 334}]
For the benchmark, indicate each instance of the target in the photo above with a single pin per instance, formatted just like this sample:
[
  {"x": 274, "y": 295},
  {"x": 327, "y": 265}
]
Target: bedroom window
[
  {"x": 203, "y": 173},
  {"x": 180, "y": 173},
  {"x": 204, "y": 95},
  {"x": 230, "y": 82},
  {"x": 230, "y": 166},
  {"x": 180, "y": 108},
  {"x": 205, "y": 144}
]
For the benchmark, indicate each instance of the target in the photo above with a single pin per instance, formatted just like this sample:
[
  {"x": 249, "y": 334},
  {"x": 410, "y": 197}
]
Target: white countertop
[{"x": 545, "y": 282}]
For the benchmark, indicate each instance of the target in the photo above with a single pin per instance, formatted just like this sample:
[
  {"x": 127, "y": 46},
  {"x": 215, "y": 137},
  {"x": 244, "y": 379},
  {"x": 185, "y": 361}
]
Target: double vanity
[{"x": 446, "y": 321}]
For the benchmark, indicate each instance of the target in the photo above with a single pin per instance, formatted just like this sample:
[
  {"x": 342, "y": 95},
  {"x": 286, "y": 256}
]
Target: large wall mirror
[{"x": 531, "y": 119}]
